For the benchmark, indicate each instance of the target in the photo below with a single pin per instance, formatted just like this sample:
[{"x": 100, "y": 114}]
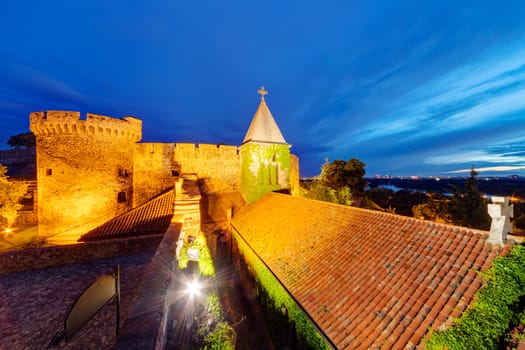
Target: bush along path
[{"x": 196, "y": 315}]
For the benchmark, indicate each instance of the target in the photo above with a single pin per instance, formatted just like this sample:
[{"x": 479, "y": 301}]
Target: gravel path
[{"x": 33, "y": 304}]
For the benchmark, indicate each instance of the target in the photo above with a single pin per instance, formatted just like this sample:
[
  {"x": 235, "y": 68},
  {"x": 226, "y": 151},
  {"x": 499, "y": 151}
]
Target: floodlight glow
[{"x": 193, "y": 288}]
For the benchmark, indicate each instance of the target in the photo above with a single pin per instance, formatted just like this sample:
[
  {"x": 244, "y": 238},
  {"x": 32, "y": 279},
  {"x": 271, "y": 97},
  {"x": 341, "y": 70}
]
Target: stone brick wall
[
  {"x": 154, "y": 170},
  {"x": 84, "y": 171},
  {"x": 21, "y": 260},
  {"x": 219, "y": 163},
  {"x": 294, "y": 174}
]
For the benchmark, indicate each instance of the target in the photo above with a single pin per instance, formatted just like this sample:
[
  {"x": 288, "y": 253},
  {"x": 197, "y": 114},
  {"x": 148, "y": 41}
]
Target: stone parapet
[
  {"x": 69, "y": 123},
  {"x": 30, "y": 259},
  {"x": 205, "y": 151}
]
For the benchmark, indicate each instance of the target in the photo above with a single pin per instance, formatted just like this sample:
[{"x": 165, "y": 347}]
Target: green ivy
[
  {"x": 221, "y": 338},
  {"x": 283, "y": 312},
  {"x": 213, "y": 304},
  {"x": 498, "y": 306},
  {"x": 205, "y": 261},
  {"x": 253, "y": 186}
]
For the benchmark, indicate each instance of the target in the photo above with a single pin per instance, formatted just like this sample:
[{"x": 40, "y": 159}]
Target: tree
[
  {"x": 10, "y": 195},
  {"x": 354, "y": 174},
  {"x": 468, "y": 207},
  {"x": 434, "y": 209},
  {"x": 333, "y": 174},
  {"x": 26, "y": 140},
  {"x": 321, "y": 193},
  {"x": 339, "y": 174}
]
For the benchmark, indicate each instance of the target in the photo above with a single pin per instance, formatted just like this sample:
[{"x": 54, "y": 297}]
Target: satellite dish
[{"x": 105, "y": 290}]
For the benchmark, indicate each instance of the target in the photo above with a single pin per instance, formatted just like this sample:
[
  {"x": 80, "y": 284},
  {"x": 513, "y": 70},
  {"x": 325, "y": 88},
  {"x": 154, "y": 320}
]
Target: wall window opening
[{"x": 121, "y": 197}]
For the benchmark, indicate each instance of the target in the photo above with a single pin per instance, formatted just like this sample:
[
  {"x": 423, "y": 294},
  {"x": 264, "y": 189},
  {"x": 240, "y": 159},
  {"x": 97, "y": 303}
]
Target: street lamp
[{"x": 193, "y": 288}]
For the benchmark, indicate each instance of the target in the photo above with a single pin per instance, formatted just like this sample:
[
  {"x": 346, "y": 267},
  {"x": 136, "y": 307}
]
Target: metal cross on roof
[{"x": 262, "y": 92}]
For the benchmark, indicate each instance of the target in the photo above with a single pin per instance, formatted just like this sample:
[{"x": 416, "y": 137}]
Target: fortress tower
[
  {"x": 265, "y": 156},
  {"x": 84, "y": 170}
]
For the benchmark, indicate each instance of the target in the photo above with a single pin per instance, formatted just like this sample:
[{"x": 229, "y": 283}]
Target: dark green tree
[
  {"x": 329, "y": 185},
  {"x": 339, "y": 174},
  {"x": 468, "y": 207},
  {"x": 333, "y": 174},
  {"x": 354, "y": 174},
  {"x": 321, "y": 192},
  {"x": 435, "y": 209},
  {"x": 26, "y": 140}
]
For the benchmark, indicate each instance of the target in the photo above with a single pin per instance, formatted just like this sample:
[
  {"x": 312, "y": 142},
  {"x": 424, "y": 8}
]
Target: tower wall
[
  {"x": 294, "y": 174},
  {"x": 84, "y": 170},
  {"x": 265, "y": 167},
  {"x": 156, "y": 166},
  {"x": 219, "y": 164},
  {"x": 154, "y": 170}
]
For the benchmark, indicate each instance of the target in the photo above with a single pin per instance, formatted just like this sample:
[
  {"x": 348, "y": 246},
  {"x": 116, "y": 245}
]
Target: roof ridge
[{"x": 400, "y": 217}]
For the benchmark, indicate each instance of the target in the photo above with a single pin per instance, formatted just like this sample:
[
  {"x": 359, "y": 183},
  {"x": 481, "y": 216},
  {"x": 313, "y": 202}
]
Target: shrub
[
  {"x": 498, "y": 306},
  {"x": 221, "y": 338}
]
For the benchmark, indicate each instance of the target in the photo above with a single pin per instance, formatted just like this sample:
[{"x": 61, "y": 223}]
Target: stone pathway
[{"x": 33, "y": 304}]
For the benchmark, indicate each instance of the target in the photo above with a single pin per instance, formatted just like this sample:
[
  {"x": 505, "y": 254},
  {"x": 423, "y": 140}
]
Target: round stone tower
[{"x": 84, "y": 171}]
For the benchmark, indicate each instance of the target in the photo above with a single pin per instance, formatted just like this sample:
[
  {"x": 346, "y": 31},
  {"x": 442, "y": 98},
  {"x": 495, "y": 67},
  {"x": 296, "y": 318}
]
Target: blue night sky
[{"x": 408, "y": 87}]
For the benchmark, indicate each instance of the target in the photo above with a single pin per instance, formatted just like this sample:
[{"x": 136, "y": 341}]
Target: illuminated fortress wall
[
  {"x": 218, "y": 163},
  {"x": 154, "y": 170},
  {"x": 91, "y": 170},
  {"x": 294, "y": 175},
  {"x": 84, "y": 170},
  {"x": 157, "y": 165}
]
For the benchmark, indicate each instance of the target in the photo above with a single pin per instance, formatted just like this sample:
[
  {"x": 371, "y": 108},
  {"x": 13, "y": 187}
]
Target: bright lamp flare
[{"x": 193, "y": 288}]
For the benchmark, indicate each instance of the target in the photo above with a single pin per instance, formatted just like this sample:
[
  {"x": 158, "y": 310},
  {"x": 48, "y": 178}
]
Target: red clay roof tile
[
  {"x": 384, "y": 279},
  {"x": 153, "y": 217}
]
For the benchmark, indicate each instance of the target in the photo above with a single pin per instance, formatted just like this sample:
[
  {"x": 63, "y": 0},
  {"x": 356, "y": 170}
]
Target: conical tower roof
[{"x": 263, "y": 127}]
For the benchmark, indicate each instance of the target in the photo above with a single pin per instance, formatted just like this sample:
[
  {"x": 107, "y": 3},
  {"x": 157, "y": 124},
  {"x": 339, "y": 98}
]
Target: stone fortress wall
[
  {"x": 84, "y": 170},
  {"x": 294, "y": 175},
  {"x": 91, "y": 170},
  {"x": 154, "y": 170},
  {"x": 157, "y": 165},
  {"x": 219, "y": 164},
  {"x": 94, "y": 169}
]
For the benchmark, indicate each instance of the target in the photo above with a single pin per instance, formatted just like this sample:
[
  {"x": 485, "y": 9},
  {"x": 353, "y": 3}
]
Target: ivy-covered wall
[
  {"x": 498, "y": 306},
  {"x": 265, "y": 167},
  {"x": 283, "y": 315}
]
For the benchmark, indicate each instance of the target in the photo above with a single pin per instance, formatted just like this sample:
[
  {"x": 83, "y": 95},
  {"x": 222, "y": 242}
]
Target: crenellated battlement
[
  {"x": 70, "y": 123},
  {"x": 205, "y": 151}
]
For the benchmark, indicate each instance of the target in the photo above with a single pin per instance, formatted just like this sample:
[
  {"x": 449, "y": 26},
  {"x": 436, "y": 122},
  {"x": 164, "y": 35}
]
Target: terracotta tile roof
[
  {"x": 152, "y": 217},
  {"x": 263, "y": 127},
  {"x": 369, "y": 279}
]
